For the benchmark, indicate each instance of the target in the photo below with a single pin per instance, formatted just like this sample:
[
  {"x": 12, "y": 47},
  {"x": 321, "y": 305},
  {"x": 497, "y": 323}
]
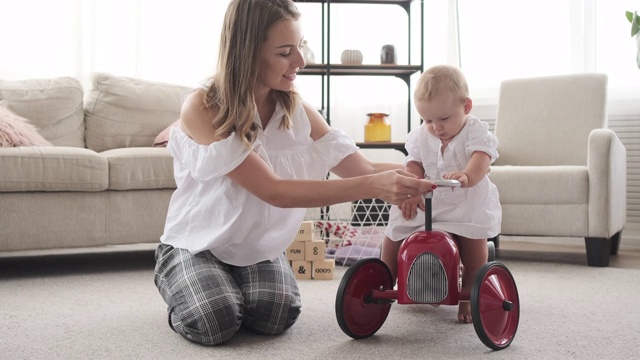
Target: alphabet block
[
  {"x": 323, "y": 270},
  {"x": 305, "y": 232},
  {"x": 301, "y": 269},
  {"x": 296, "y": 251},
  {"x": 315, "y": 250}
]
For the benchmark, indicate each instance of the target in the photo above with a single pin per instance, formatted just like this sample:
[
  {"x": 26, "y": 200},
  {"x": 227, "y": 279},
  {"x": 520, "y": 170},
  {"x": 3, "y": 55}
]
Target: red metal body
[{"x": 442, "y": 245}]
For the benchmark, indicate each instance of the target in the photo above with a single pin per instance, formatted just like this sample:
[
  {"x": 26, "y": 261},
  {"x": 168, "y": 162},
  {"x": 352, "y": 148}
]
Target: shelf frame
[{"x": 326, "y": 69}]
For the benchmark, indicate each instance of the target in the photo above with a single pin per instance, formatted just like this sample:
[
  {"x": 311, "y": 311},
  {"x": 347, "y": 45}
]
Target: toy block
[
  {"x": 305, "y": 232},
  {"x": 296, "y": 251},
  {"x": 323, "y": 270},
  {"x": 301, "y": 269},
  {"x": 315, "y": 250}
]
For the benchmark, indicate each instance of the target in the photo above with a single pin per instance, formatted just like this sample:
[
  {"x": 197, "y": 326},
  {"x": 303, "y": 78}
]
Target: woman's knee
[
  {"x": 208, "y": 323},
  {"x": 273, "y": 315}
]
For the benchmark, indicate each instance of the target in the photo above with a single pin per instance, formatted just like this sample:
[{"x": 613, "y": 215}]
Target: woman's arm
[
  {"x": 391, "y": 186},
  {"x": 258, "y": 178}
]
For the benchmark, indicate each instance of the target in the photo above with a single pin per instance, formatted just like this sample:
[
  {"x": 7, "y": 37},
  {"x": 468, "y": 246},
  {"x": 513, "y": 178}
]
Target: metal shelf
[
  {"x": 383, "y": 145},
  {"x": 401, "y": 71}
]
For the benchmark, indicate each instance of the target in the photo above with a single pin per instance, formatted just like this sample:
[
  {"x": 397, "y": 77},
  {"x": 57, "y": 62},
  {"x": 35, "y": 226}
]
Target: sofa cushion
[
  {"x": 127, "y": 112},
  {"x": 52, "y": 168},
  {"x": 18, "y": 131},
  {"x": 53, "y": 105},
  {"x": 140, "y": 168},
  {"x": 543, "y": 185}
]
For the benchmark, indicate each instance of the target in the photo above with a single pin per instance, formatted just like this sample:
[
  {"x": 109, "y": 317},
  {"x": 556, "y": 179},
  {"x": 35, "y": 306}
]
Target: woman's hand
[{"x": 396, "y": 186}]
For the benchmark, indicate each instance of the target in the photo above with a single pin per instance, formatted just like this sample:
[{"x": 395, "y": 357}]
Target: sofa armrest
[{"x": 607, "y": 166}]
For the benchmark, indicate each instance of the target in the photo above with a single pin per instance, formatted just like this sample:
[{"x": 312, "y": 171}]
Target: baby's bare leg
[
  {"x": 389, "y": 255},
  {"x": 473, "y": 254}
]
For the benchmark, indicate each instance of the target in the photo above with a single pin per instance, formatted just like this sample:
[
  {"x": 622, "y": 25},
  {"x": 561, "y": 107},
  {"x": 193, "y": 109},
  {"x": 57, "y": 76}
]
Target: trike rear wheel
[{"x": 360, "y": 316}]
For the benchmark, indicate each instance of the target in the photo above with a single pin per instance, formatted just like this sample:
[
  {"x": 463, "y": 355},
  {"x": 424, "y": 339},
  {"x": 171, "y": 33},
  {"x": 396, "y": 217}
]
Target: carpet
[{"x": 104, "y": 305}]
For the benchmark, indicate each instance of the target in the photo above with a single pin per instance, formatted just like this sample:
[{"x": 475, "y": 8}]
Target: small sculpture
[{"x": 351, "y": 57}]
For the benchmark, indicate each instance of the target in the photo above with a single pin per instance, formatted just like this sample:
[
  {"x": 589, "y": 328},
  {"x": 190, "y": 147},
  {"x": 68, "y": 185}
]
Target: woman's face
[{"x": 281, "y": 56}]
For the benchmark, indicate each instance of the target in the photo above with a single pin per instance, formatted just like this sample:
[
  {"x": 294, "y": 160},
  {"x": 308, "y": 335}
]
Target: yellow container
[{"x": 378, "y": 128}]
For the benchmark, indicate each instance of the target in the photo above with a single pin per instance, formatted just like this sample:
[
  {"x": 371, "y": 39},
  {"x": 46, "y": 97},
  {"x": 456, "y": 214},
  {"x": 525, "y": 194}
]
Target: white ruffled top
[
  {"x": 473, "y": 212},
  {"x": 210, "y": 212}
]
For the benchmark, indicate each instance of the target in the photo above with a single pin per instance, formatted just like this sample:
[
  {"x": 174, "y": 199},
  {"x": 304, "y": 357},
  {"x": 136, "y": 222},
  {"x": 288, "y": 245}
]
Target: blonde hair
[
  {"x": 440, "y": 78},
  {"x": 230, "y": 93}
]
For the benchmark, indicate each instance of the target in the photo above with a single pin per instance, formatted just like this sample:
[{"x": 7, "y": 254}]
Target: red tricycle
[{"x": 429, "y": 273}]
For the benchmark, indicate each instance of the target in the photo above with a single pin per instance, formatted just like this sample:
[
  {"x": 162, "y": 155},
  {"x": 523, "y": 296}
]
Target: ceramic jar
[
  {"x": 351, "y": 57},
  {"x": 388, "y": 54},
  {"x": 378, "y": 128}
]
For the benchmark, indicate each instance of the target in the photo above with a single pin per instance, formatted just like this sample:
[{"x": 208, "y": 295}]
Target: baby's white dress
[{"x": 470, "y": 212}]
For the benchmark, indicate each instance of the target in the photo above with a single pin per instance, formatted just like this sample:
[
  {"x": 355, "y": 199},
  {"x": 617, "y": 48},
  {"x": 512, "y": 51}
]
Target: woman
[{"x": 249, "y": 156}]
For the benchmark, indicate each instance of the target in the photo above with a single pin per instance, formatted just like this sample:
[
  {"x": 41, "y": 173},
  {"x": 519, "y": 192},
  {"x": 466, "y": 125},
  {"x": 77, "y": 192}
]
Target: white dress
[
  {"x": 210, "y": 212},
  {"x": 470, "y": 212}
]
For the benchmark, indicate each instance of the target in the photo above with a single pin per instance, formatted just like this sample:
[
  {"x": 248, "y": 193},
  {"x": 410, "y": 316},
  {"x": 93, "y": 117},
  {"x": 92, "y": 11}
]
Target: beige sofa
[
  {"x": 561, "y": 171},
  {"x": 102, "y": 183}
]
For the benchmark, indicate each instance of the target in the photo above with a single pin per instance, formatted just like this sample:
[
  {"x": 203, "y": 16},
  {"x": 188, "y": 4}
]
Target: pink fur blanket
[{"x": 18, "y": 131}]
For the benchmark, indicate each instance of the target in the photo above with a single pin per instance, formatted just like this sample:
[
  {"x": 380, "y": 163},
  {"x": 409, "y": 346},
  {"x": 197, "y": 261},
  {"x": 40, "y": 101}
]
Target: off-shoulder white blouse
[{"x": 210, "y": 212}]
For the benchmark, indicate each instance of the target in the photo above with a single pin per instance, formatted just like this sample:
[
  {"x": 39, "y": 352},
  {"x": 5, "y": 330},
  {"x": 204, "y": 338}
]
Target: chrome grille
[{"x": 427, "y": 280}]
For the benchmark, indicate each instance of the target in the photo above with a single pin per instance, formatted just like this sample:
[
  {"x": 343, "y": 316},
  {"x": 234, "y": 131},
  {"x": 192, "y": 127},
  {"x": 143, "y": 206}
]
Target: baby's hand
[
  {"x": 458, "y": 175},
  {"x": 409, "y": 207}
]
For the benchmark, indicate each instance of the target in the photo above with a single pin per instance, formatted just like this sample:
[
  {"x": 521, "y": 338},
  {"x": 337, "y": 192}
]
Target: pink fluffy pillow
[
  {"x": 163, "y": 138},
  {"x": 18, "y": 131}
]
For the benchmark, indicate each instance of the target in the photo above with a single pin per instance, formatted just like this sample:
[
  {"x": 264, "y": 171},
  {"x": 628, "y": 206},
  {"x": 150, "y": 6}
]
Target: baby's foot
[{"x": 464, "y": 312}]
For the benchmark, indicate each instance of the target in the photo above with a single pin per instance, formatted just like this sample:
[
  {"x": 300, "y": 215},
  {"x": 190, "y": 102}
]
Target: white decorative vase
[
  {"x": 351, "y": 57},
  {"x": 307, "y": 53},
  {"x": 638, "y": 53}
]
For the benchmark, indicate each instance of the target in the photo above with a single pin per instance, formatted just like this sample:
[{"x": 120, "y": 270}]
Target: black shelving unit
[
  {"x": 402, "y": 71},
  {"x": 368, "y": 211}
]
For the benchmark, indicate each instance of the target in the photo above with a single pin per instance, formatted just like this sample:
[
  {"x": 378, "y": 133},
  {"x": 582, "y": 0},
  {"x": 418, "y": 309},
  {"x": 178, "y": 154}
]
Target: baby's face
[{"x": 444, "y": 116}]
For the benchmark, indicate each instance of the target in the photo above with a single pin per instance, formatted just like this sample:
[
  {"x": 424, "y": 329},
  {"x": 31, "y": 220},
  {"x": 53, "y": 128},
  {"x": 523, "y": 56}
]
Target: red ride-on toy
[{"x": 429, "y": 273}]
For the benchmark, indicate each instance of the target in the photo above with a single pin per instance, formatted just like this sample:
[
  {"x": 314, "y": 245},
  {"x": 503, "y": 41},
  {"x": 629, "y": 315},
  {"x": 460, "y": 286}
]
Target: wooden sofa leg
[
  {"x": 615, "y": 243},
  {"x": 598, "y": 251}
]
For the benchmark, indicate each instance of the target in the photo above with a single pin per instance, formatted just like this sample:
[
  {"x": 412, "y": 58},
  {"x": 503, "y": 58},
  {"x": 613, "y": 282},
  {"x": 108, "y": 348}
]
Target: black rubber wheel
[
  {"x": 495, "y": 305},
  {"x": 492, "y": 250},
  {"x": 358, "y": 314}
]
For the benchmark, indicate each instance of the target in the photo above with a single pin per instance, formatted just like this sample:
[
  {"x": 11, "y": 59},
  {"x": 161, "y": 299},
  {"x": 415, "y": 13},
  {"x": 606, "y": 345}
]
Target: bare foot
[{"x": 464, "y": 312}]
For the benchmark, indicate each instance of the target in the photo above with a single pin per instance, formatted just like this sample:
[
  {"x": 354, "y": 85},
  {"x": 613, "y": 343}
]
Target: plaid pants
[{"x": 209, "y": 300}]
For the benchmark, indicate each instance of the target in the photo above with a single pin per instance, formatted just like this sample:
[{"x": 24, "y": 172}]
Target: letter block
[
  {"x": 315, "y": 250},
  {"x": 296, "y": 251},
  {"x": 301, "y": 269},
  {"x": 305, "y": 232},
  {"x": 323, "y": 270}
]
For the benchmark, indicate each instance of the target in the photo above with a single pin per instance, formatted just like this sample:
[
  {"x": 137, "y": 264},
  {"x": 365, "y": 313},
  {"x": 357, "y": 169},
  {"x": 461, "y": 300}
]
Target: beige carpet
[{"x": 104, "y": 305}]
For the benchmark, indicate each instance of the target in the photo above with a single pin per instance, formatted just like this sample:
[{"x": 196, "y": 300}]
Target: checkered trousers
[{"x": 209, "y": 300}]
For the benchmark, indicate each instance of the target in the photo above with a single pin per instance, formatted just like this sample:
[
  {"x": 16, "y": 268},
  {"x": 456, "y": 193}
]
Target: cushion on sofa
[
  {"x": 54, "y": 106},
  {"x": 52, "y": 168},
  {"x": 547, "y": 185},
  {"x": 140, "y": 168},
  {"x": 128, "y": 112},
  {"x": 18, "y": 131},
  {"x": 163, "y": 138}
]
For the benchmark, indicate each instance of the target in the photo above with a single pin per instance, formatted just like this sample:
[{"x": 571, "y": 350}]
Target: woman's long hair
[{"x": 230, "y": 94}]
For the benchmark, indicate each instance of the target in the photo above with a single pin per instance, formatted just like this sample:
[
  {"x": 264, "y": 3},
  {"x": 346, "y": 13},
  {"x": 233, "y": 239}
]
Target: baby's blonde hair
[{"x": 439, "y": 78}]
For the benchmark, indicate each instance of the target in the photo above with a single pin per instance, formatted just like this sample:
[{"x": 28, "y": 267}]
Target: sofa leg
[
  {"x": 615, "y": 242},
  {"x": 598, "y": 251},
  {"x": 495, "y": 240}
]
